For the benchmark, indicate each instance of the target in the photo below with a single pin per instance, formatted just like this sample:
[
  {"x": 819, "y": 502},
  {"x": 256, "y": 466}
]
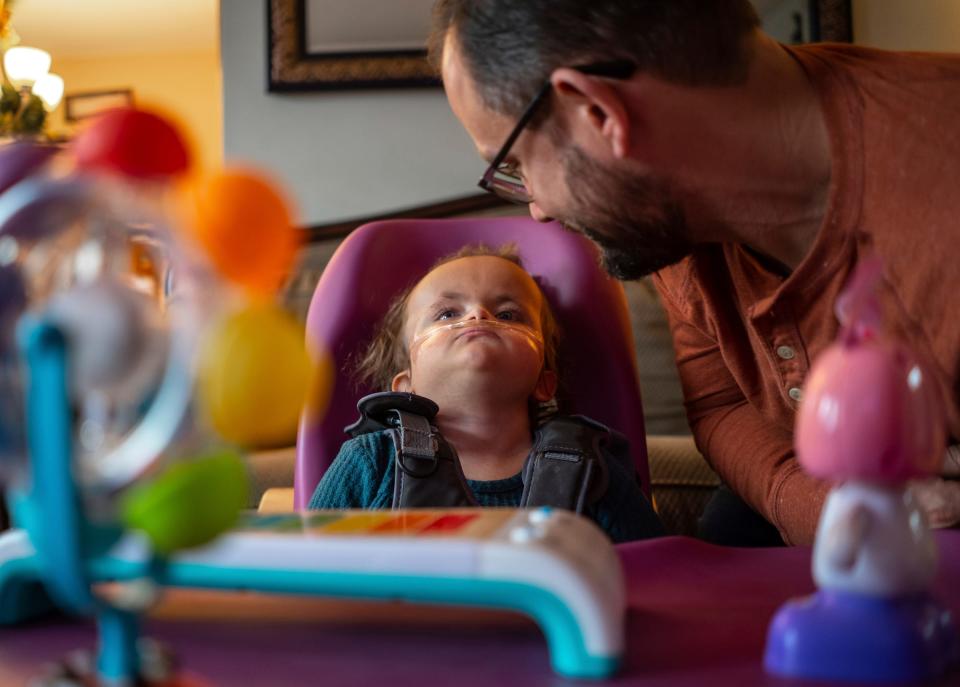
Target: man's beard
[{"x": 637, "y": 224}]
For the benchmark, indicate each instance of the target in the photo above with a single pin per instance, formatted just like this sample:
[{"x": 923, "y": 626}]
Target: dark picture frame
[
  {"x": 292, "y": 66},
  {"x": 832, "y": 21}
]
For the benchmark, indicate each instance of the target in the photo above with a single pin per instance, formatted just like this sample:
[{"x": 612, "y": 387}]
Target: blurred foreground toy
[
  {"x": 254, "y": 376},
  {"x": 870, "y": 420},
  {"x": 135, "y": 143},
  {"x": 244, "y": 226},
  {"x": 111, "y": 308},
  {"x": 254, "y": 372}
]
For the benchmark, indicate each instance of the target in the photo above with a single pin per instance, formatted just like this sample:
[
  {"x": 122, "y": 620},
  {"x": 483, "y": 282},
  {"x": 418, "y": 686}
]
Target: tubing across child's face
[{"x": 473, "y": 326}]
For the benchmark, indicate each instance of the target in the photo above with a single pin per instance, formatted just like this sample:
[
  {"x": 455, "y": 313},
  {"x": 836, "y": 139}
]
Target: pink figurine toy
[{"x": 870, "y": 420}]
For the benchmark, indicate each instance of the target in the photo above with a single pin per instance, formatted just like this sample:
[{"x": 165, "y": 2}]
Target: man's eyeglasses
[{"x": 501, "y": 178}]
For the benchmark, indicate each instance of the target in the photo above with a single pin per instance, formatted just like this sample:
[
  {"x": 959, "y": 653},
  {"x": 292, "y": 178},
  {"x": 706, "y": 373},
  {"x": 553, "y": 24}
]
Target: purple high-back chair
[{"x": 598, "y": 373}]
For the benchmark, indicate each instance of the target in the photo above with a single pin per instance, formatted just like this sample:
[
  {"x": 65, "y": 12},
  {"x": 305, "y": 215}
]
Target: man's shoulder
[
  {"x": 876, "y": 68},
  {"x": 681, "y": 285},
  {"x": 676, "y": 278},
  {"x": 861, "y": 54}
]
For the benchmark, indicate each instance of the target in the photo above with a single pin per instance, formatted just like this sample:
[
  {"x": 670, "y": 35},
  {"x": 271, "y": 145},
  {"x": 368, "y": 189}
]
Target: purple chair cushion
[{"x": 378, "y": 260}]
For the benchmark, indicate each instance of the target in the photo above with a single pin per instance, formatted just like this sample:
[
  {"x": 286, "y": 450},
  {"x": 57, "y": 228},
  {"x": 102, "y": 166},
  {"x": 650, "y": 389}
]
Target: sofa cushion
[{"x": 681, "y": 482}]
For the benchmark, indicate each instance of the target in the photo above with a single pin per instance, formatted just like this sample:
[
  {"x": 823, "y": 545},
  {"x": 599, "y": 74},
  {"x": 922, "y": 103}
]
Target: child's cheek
[
  {"x": 427, "y": 345},
  {"x": 525, "y": 341}
]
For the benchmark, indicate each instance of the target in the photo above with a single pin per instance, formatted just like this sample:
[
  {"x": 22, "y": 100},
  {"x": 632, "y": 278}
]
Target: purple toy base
[{"x": 834, "y": 635}]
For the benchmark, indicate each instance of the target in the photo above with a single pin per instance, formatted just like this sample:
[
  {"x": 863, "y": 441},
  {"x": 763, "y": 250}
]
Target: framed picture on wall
[
  {"x": 79, "y": 106},
  {"x": 316, "y": 45}
]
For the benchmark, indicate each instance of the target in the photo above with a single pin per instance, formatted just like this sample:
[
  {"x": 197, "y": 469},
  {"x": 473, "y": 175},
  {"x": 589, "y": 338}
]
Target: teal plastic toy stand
[{"x": 49, "y": 510}]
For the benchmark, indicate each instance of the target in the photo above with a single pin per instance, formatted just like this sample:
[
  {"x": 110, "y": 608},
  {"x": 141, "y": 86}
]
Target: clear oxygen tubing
[{"x": 522, "y": 331}]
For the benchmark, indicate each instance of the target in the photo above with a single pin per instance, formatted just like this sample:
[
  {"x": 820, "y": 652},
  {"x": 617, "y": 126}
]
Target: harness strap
[
  {"x": 416, "y": 435},
  {"x": 566, "y": 467},
  {"x": 427, "y": 472}
]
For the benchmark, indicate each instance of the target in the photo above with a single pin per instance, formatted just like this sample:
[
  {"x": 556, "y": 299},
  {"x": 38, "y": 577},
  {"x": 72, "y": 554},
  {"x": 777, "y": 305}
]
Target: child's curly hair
[{"x": 387, "y": 353}]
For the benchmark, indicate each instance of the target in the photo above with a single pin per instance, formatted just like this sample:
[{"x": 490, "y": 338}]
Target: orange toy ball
[
  {"x": 244, "y": 225},
  {"x": 132, "y": 142}
]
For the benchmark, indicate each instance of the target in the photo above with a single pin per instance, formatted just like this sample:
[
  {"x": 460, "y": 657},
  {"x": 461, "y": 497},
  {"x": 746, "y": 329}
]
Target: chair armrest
[{"x": 276, "y": 500}]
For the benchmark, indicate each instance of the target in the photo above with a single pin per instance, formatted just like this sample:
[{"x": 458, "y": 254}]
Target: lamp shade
[
  {"x": 25, "y": 65},
  {"x": 49, "y": 88}
]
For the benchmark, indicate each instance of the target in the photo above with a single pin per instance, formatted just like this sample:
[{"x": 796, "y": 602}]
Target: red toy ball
[{"x": 132, "y": 142}]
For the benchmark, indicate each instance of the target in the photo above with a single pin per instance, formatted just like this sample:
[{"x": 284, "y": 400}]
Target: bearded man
[{"x": 749, "y": 177}]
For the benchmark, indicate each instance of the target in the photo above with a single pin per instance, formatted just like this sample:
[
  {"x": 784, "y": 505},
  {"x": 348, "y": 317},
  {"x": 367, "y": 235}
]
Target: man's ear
[
  {"x": 596, "y": 103},
  {"x": 402, "y": 382},
  {"x": 546, "y": 386}
]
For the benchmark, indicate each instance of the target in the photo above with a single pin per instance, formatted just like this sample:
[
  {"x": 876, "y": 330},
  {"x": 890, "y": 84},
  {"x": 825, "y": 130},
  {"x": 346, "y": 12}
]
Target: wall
[
  {"x": 187, "y": 85},
  {"x": 908, "y": 24},
  {"x": 778, "y": 19},
  {"x": 341, "y": 154}
]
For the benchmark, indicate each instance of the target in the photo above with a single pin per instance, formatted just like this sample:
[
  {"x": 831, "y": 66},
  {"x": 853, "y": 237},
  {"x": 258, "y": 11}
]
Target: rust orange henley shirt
[{"x": 745, "y": 336}]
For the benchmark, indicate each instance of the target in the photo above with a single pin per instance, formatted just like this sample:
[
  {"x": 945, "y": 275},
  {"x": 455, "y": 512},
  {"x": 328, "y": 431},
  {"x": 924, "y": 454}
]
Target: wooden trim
[{"x": 447, "y": 208}]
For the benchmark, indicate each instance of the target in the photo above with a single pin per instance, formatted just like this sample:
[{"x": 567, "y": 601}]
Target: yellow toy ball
[
  {"x": 255, "y": 377},
  {"x": 243, "y": 223}
]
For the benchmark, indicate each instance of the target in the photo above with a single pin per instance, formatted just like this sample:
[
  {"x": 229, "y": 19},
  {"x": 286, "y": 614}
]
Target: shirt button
[
  {"x": 786, "y": 352},
  {"x": 795, "y": 392}
]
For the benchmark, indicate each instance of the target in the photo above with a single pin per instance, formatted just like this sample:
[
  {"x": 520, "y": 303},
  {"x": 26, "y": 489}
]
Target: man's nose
[{"x": 538, "y": 214}]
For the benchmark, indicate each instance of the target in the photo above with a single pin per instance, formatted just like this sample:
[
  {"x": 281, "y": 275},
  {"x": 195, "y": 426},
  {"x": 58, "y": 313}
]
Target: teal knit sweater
[{"x": 361, "y": 476}]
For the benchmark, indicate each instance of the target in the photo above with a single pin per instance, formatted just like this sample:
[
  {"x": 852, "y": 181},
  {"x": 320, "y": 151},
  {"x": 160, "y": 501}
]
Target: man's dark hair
[{"x": 511, "y": 46}]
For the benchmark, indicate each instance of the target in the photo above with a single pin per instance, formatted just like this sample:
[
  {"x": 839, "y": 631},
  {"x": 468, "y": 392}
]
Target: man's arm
[{"x": 752, "y": 455}]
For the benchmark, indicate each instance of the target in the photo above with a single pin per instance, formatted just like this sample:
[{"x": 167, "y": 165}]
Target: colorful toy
[
  {"x": 870, "y": 420},
  {"x": 134, "y": 143},
  {"x": 123, "y": 482},
  {"x": 256, "y": 257},
  {"x": 254, "y": 376},
  {"x": 109, "y": 332}
]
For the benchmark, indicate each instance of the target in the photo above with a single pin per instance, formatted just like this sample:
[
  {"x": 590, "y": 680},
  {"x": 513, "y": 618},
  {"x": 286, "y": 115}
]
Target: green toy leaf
[{"x": 191, "y": 503}]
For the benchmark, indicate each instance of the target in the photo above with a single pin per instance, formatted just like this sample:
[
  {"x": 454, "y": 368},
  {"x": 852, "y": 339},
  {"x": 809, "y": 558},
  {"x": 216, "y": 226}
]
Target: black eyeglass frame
[{"x": 619, "y": 69}]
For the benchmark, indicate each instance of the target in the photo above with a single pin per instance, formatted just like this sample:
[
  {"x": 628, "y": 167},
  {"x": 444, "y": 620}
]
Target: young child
[{"x": 477, "y": 337}]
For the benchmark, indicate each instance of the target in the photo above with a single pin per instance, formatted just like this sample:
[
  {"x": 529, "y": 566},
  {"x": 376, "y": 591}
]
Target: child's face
[{"x": 475, "y": 356}]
